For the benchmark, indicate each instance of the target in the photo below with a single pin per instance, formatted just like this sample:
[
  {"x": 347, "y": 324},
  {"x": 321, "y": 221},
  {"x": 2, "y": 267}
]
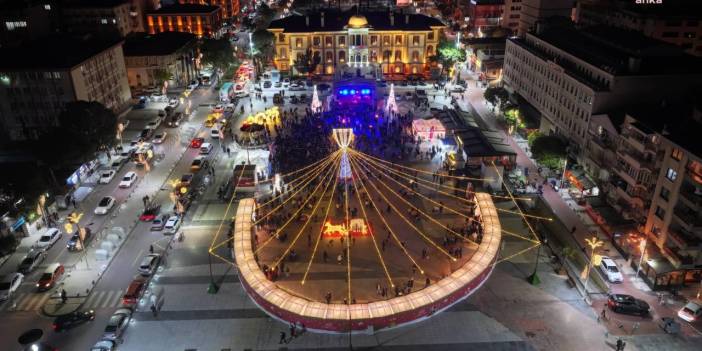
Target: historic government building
[{"x": 398, "y": 43}]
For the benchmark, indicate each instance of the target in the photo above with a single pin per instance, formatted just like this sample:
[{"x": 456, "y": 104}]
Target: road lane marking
[
  {"x": 110, "y": 301},
  {"x": 97, "y": 300},
  {"x": 91, "y": 298},
  {"x": 42, "y": 301},
  {"x": 107, "y": 301}
]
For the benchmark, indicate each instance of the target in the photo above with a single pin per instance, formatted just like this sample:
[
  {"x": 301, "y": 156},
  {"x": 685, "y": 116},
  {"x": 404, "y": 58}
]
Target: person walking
[
  {"x": 283, "y": 338},
  {"x": 154, "y": 310},
  {"x": 64, "y": 296},
  {"x": 151, "y": 249},
  {"x": 293, "y": 329},
  {"x": 620, "y": 345}
]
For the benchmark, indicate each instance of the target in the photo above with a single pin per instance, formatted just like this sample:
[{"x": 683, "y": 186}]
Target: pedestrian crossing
[{"x": 33, "y": 301}]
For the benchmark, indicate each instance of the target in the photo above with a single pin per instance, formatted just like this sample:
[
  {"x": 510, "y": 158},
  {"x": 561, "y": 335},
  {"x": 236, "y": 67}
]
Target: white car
[
  {"x": 149, "y": 264},
  {"x": 117, "y": 324},
  {"x": 205, "y": 149},
  {"x": 48, "y": 239},
  {"x": 691, "y": 311},
  {"x": 9, "y": 284},
  {"x": 218, "y": 108},
  {"x": 117, "y": 163},
  {"x": 214, "y": 133},
  {"x": 173, "y": 102},
  {"x": 106, "y": 176},
  {"x": 172, "y": 225},
  {"x": 159, "y": 138},
  {"x": 104, "y": 345},
  {"x": 610, "y": 270},
  {"x": 128, "y": 180},
  {"x": 105, "y": 205}
]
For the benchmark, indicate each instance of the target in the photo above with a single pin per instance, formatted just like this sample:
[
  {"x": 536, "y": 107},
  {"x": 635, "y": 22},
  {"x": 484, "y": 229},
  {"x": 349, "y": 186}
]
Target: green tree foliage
[
  {"x": 217, "y": 52},
  {"x": 533, "y": 135},
  {"x": 549, "y": 151},
  {"x": 162, "y": 75},
  {"x": 307, "y": 63},
  {"x": 496, "y": 96}
]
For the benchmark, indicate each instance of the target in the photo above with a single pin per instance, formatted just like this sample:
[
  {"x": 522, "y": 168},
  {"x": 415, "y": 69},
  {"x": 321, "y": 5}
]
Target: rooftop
[
  {"x": 166, "y": 43},
  {"x": 95, "y": 3},
  {"x": 611, "y": 48},
  {"x": 186, "y": 8},
  {"x": 73, "y": 51},
  {"x": 668, "y": 9},
  {"x": 674, "y": 120},
  {"x": 336, "y": 21}
]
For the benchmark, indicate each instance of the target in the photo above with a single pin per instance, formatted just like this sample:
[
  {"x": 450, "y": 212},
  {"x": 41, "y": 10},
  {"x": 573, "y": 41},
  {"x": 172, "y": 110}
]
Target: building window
[
  {"x": 398, "y": 55},
  {"x": 672, "y": 175},
  {"x": 374, "y": 56},
  {"x": 677, "y": 154},
  {"x": 415, "y": 56},
  {"x": 386, "y": 56},
  {"x": 342, "y": 56},
  {"x": 298, "y": 42},
  {"x": 415, "y": 40},
  {"x": 283, "y": 53},
  {"x": 430, "y": 51},
  {"x": 15, "y": 24},
  {"x": 342, "y": 41},
  {"x": 281, "y": 37},
  {"x": 330, "y": 57},
  {"x": 386, "y": 40},
  {"x": 690, "y": 35},
  {"x": 47, "y": 7},
  {"x": 673, "y": 23},
  {"x": 316, "y": 41},
  {"x": 430, "y": 36},
  {"x": 374, "y": 40},
  {"x": 398, "y": 40},
  {"x": 665, "y": 193},
  {"x": 328, "y": 41},
  {"x": 660, "y": 212}
]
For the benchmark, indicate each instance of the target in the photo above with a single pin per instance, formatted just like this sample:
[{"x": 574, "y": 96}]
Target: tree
[
  {"x": 264, "y": 15},
  {"x": 86, "y": 125},
  {"x": 448, "y": 54},
  {"x": 496, "y": 96},
  {"x": 161, "y": 75},
  {"x": 533, "y": 135},
  {"x": 263, "y": 47},
  {"x": 549, "y": 150},
  {"x": 307, "y": 63},
  {"x": 217, "y": 52}
]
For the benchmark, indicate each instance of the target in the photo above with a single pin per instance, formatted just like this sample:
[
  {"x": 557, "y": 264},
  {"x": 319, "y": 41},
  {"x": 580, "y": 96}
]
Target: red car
[
  {"x": 134, "y": 291},
  {"x": 197, "y": 142},
  {"x": 150, "y": 213}
]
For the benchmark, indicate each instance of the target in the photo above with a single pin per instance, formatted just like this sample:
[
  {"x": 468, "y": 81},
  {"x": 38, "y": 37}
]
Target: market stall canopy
[
  {"x": 251, "y": 127},
  {"x": 428, "y": 128}
]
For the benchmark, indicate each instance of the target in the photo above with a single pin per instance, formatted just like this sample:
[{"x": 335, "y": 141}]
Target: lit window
[
  {"x": 677, "y": 154},
  {"x": 103, "y": 21},
  {"x": 47, "y": 7},
  {"x": 15, "y": 24},
  {"x": 671, "y": 174}
]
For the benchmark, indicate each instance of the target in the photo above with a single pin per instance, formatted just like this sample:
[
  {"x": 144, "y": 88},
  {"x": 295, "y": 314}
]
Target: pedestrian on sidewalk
[
  {"x": 229, "y": 152},
  {"x": 73, "y": 201},
  {"x": 154, "y": 310},
  {"x": 603, "y": 314},
  {"x": 283, "y": 338},
  {"x": 151, "y": 249},
  {"x": 64, "y": 296},
  {"x": 293, "y": 329}
]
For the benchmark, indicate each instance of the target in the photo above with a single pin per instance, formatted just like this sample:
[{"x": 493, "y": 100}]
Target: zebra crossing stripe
[
  {"x": 108, "y": 300},
  {"x": 42, "y": 301},
  {"x": 116, "y": 299},
  {"x": 20, "y": 302},
  {"x": 97, "y": 296}
]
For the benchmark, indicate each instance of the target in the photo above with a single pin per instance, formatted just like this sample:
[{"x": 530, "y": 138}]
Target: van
[
  {"x": 50, "y": 277},
  {"x": 205, "y": 149}
]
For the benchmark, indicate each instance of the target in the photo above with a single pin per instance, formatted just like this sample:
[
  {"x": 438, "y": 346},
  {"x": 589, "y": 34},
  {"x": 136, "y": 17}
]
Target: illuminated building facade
[
  {"x": 173, "y": 52},
  {"x": 230, "y": 8},
  {"x": 34, "y": 86},
  {"x": 395, "y": 43},
  {"x": 485, "y": 15},
  {"x": 108, "y": 17},
  {"x": 201, "y": 20}
]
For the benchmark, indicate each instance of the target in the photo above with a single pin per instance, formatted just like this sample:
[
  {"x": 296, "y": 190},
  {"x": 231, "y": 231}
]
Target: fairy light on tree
[{"x": 316, "y": 105}]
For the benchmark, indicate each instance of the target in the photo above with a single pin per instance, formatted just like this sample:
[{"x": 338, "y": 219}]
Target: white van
[{"x": 205, "y": 149}]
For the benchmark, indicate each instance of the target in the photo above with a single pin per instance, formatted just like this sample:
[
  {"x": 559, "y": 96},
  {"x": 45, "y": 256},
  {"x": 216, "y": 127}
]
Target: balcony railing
[
  {"x": 672, "y": 256},
  {"x": 683, "y": 239}
]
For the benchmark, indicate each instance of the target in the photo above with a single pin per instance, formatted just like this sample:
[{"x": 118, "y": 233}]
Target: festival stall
[{"x": 428, "y": 129}]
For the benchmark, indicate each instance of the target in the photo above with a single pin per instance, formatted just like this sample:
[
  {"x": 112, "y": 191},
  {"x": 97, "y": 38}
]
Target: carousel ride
[{"x": 355, "y": 243}]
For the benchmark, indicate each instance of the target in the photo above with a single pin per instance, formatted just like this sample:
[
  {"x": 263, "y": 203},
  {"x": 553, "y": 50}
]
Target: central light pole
[{"x": 594, "y": 243}]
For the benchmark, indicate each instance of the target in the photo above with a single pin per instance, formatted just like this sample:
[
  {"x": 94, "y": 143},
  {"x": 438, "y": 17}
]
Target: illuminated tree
[{"x": 307, "y": 63}]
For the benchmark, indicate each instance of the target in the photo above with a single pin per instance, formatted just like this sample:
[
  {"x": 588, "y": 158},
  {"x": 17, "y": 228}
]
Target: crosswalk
[{"x": 33, "y": 301}]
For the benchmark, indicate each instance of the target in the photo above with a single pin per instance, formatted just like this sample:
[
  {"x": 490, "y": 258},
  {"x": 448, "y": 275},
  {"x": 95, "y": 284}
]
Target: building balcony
[
  {"x": 691, "y": 196},
  {"x": 636, "y": 159},
  {"x": 684, "y": 240},
  {"x": 687, "y": 219},
  {"x": 672, "y": 256}
]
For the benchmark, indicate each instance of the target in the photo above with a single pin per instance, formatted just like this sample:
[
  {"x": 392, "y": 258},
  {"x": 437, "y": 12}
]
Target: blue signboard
[{"x": 18, "y": 224}]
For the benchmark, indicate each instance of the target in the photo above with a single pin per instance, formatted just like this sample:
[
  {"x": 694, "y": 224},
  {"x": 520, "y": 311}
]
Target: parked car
[
  {"x": 214, "y": 133},
  {"x": 286, "y": 83},
  {"x": 104, "y": 345},
  {"x": 691, "y": 311},
  {"x": 173, "y": 102},
  {"x": 117, "y": 324},
  {"x": 105, "y": 205},
  {"x": 128, "y": 180},
  {"x": 627, "y": 304},
  {"x": 186, "y": 178},
  {"x": 610, "y": 270},
  {"x": 267, "y": 84},
  {"x": 72, "y": 320},
  {"x": 172, "y": 225},
  {"x": 117, "y": 163},
  {"x": 149, "y": 264},
  {"x": 458, "y": 89},
  {"x": 134, "y": 291},
  {"x": 150, "y": 212},
  {"x": 51, "y": 275},
  {"x": 197, "y": 142},
  {"x": 158, "y": 223},
  {"x": 48, "y": 239},
  {"x": 159, "y": 138},
  {"x": 9, "y": 284},
  {"x": 219, "y": 108},
  {"x": 199, "y": 163},
  {"x": 31, "y": 260},
  {"x": 153, "y": 124},
  {"x": 146, "y": 134}
]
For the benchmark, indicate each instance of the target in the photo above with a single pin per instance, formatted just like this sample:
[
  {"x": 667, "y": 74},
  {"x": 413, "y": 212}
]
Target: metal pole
[
  {"x": 565, "y": 166},
  {"x": 534, "y": 278},
  {"x": 587, "y": 278},
  {"x": 638, "y": 269}
]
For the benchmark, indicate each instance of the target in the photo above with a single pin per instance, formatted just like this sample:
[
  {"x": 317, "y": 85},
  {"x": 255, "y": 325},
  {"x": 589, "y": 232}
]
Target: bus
[{"x": 226, "y": 92}]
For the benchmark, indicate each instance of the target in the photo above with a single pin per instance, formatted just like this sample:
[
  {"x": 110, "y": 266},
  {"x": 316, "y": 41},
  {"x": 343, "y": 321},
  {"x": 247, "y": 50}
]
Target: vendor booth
[{"x": 428, "y": 129}]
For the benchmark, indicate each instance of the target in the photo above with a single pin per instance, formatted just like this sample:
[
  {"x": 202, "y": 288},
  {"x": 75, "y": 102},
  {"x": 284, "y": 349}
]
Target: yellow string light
[
  {"x": 226, "y": 212},
  {"x": 303, "y": 168},
  {"x": 515, "y": 202},
  {"x": 399, "y": 214},
  {"x": 517, "y": 254},
  {"x": 273, "y": 236},
  {"x": 380, "y": 215},
  {"x": 427, "y": 172},
  {"x": 456, "y": 234},
  {"x": 309, "y": 218}
]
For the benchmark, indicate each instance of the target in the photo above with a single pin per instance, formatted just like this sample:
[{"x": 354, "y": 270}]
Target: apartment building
[
  {"x": 485, "y": 15},
  {"x": 173, "y": 52},
  {"x": 35, "y": 86},
  {"x": 107, "y": 17},
  {"x": 201, "y": 20},
  {"x": 393, "y": 42},
  {"x": 533, "y": 11},
  {"x": 511, "y": 14},
  {"x": 25, "y": 20},
  {"x": 230, "y": 8},
  {"x": 570, "y": 75},
  {"x": 678, "y": 22}
]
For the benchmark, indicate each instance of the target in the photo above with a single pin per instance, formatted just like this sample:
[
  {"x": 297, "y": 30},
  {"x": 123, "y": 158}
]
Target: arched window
[
  {"x": 342, "y": 56},
  {"x": 415, "y": 56},
  {"x": 329, "y": 57},
  {"x": 386, "y": 56},
  {"x": 358, "y": 57},
  {"x": 430, "y": 50},
  {"x": 398, "y": 55}
]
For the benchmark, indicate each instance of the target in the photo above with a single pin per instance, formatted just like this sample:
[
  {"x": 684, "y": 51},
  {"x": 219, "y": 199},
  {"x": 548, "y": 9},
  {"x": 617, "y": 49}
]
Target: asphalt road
[{"x": 106, "y": 295}]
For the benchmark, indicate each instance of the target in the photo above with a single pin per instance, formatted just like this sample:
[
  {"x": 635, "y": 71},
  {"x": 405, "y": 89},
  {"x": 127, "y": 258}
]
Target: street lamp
[
  {"x": 642, "y": 247},
  {"x": 594, "y": 243}
]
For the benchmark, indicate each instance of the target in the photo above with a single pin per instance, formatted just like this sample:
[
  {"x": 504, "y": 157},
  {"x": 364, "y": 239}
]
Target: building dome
[{"x": 358, "y": 21}]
